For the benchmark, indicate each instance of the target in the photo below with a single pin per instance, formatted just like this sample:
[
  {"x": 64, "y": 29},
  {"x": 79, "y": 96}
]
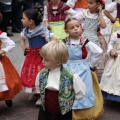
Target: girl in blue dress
[{"x": 78, "y": 48}]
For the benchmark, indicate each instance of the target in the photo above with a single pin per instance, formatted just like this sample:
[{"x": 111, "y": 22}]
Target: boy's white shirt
[{"x": 53, "y": 83}]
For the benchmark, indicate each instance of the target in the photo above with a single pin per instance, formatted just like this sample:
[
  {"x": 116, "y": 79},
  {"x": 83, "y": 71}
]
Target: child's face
[
  {"x": 25, "y": 21},
  {"x": 49, "y": 64},
  {"x": 93, "y": 6},
  {"x": 74, "y": 29}
]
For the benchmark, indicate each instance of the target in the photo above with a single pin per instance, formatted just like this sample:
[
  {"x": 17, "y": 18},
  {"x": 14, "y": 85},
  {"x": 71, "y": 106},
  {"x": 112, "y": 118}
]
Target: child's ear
[
  {"x": 66, "y": 30},
  {"x": 31, "y": 21}
]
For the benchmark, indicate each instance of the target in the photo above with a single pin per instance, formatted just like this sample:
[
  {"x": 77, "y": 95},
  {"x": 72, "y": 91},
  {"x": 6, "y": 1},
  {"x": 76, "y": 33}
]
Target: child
[
  {"x": 110, "y": 84},
  {"x": 78, "y": 6},
  {"x": 37, "y": 36},
  {"x": 58, "y": 86},
  {"x": 54, "y": 16},
  {"x": 113, "y": 6},
  {"x": 78, "y": 47},
  {"x": 93, "y": 19},
  {"x": 10, "y": 83}
]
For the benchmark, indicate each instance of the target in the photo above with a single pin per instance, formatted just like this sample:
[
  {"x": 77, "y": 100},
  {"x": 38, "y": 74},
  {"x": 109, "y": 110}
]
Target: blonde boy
[{"x": 58, "y": 86}]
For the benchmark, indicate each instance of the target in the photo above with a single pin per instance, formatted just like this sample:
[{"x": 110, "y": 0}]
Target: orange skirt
[
  {"x": 13, "y": 80},
  {"x": 81, "y": 4}
]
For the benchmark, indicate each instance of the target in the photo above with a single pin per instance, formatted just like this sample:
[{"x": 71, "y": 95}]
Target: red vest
[{"x": 60, "y": 15}]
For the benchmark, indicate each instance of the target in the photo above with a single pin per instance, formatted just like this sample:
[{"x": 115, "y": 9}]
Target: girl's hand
[
  {"x": 99, "y": 10},
  {"x": 54, "y": 38},
  {"x": 113, "y": 54},
  {"x": 113, "y": 20},
  {"x": 2, "y": 52},
  {"x": 26, "y": 51},
  {"x": 48, "y": 26}
]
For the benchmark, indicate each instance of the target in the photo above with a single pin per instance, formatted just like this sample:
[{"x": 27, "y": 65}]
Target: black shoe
[
  {"x": 9, "y": 34},
  {"x": 9, "y": 103},
  {"x": 16, "y": 30}
]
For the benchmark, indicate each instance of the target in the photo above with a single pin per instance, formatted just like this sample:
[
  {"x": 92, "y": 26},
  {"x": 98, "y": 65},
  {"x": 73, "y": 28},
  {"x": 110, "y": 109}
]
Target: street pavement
[{"x": 23, "y": 109}]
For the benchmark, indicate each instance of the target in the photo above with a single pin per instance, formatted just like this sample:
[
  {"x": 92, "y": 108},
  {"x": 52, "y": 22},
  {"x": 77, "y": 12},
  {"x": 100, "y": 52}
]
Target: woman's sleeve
[
  {"x": 45, "y": 16},
  {"x": 95, "y": 54},
  {"x": 79, "y": 87},
  {"x": 112, "y": 42},
  {"x": 9, "y": 44}
]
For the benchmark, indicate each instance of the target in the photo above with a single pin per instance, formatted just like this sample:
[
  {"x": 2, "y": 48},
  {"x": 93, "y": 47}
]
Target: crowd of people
[{"x": 72, "y": 57}]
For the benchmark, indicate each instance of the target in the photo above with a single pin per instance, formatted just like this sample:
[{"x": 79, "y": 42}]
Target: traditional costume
[
  {"x": 56, "y": 18},
  {"x": 110, "y": 79},
  {"x": 10, "y": 82},
  {"x": 33, "y": 61},
  {"x": 85, "y": 108},
  {"x": 64, "y": 87}
]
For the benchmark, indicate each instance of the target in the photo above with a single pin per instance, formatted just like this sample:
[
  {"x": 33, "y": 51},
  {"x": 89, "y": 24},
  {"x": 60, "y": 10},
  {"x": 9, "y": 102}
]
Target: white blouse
[
  {"x": 54, "y": 79},
  {"x": 112, "y": 41},
  {"x": 8, "y": 43},
  {"x": 96, "y": 52},
  {"x": 69, "y": 12}
]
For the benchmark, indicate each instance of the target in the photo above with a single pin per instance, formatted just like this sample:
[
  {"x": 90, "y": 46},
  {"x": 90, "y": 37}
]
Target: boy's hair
[{"x": 55, "y": 51}]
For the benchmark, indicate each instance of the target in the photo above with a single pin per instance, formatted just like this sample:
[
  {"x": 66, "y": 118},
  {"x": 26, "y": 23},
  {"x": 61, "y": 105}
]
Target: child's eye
[
  {"x": 46, "y": 60},
  {"x": 71, "y": 28}
]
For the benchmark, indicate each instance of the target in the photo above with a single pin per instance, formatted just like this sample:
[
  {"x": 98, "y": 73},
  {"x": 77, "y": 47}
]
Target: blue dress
[{"x": 79, "y": 65}]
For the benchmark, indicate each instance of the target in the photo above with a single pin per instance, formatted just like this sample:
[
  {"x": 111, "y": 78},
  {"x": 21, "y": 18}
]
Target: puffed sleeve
[
  {"x": 9, "y": 44},
  {"x": 70, "y": 12},
  {"x": 112, "y": 42},
  {"x": 96, "y": 54},
  {"x": 79, "y": 87},
  {"x": 81, "y": 15},
  {"x": 71, "y": 3},
  {"x": 111, "y": 7}
]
